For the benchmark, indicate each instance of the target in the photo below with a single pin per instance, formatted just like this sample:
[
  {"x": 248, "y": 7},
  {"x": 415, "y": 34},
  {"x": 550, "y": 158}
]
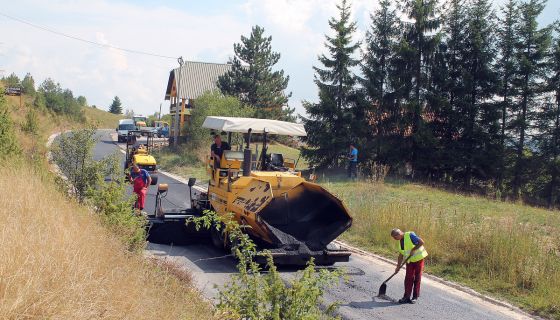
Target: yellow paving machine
[{"x": 293, "y": 218}]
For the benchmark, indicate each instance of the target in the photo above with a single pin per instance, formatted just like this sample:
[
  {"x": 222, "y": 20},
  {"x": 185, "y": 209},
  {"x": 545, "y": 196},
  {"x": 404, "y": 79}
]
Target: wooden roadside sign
[{"x": 13, "y": 91}]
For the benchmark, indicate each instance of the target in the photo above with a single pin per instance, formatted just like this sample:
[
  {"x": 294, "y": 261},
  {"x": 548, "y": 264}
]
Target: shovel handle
[{"x": 399, "y": 269}]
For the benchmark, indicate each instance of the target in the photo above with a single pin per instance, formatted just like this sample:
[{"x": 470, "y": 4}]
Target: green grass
[
  {"x": 101, "y": 118},
  {"x": 289, "y": 153},
  {"x": 508, "y": 250},
  {"x": 184, "y": 162}
]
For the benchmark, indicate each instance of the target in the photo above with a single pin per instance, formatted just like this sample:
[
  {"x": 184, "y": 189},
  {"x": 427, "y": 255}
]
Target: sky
[{"x": 196, "y": 30}]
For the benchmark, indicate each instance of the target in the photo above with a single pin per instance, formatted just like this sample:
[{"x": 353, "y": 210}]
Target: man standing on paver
[
  {"x": 411, "y": 247},
  {"x": 217, "y": 149},
  {"x": 353, "y": 162}
]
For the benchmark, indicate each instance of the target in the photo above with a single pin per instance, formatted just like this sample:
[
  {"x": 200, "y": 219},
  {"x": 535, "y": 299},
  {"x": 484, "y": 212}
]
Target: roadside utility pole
[{"x": 177, "y": 102}]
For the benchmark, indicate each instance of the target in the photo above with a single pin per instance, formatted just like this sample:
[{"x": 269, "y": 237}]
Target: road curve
[{"x": 211, "y": 267}]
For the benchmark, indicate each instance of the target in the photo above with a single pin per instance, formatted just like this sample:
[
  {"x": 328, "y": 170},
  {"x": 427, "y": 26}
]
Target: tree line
[
  {"x": 49, "y": 95},
  {"x": 460, "y": 93}
]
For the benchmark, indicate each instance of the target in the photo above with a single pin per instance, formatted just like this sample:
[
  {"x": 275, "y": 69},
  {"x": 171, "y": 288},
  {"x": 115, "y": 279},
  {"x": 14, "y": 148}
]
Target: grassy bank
[
  {"x": 184, "y": 162},
  {"x": 505, "y": 249},
  {"x": 58, "y": 258},
  {"x": 59, "y": 262}
]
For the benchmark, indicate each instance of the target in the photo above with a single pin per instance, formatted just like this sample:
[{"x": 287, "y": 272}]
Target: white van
[{"x": 124, "y": 126}]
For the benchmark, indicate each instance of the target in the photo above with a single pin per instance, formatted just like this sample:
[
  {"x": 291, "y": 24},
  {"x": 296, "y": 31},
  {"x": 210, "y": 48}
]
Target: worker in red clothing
[
  {"x": 411, "y": 247},
  {"x": 141, "y": 180}
]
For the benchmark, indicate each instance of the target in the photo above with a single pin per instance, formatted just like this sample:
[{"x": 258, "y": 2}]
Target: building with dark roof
[{"x": 195, "y": 79}]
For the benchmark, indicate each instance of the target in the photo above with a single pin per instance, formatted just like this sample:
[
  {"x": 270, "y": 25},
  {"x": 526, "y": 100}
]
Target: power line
[{"x": 102, "y": 45}]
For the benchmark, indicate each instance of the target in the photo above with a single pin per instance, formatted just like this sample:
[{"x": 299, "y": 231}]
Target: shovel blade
[{"x": 382, "y": 289}]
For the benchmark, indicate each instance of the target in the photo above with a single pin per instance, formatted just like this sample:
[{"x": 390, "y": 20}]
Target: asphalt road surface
[{"x": 211, "y": 267}]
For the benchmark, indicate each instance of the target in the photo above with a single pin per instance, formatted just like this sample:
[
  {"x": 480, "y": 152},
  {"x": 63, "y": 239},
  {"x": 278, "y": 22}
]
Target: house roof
[{"x": 196, "y": 78}]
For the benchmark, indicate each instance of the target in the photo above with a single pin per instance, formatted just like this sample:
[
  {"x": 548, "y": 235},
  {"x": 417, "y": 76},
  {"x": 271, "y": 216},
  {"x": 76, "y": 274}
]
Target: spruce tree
[
  {"x": 549, "y": 127},
  {"x": 116, "y": 106},
  {"x": 328, "y": 122},
  {"x": 421, "y": 40},
  {"x": 252, "y": 80},
  {"x": 480, "y": 117},
  {"x": 381, "y": 41},
  {"x": 532, "y": 46},
  {"x": 506, "y": 67},
  {"x": 448, "y": 91}
]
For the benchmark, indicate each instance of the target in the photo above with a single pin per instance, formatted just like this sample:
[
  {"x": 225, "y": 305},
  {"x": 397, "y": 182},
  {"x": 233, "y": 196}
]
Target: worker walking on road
[
  {"x": 141, "y": 180},
  {"x": 411, "y": 247}
]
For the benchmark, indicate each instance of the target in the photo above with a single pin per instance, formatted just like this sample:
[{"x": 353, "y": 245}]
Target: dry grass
[
  {"x": 49, "y": 123},
  {"x": 58, "y": 262}
]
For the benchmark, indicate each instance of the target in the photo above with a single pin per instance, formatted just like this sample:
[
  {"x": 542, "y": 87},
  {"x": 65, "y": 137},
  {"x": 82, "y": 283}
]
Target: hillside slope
[{"x": 58, "y": 260}]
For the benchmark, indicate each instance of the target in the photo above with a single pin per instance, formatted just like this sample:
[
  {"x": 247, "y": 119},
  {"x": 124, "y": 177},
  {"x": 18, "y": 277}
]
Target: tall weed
[{"x": 258, "y": 295}]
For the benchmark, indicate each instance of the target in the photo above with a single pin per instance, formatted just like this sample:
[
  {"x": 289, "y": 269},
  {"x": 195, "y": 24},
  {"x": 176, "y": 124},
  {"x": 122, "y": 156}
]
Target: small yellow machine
[
  {"x": 138, "y": 153},
  {"x": 293, "y": 218}
]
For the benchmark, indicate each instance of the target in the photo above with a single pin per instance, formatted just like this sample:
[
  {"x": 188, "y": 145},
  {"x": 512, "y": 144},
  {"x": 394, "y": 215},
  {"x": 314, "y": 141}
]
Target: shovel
[{"x": 383, "y": 288}]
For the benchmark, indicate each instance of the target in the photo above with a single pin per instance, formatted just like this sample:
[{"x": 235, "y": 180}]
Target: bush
[
  {"x": 8, "y": 142},
  {"x": 99, "y": 184},
  {"x": 255, "y": 295},
  {"x": 109, "y": 199},
  {"x": 73, "y": 153},
  {"x": 31, "y": 124}
]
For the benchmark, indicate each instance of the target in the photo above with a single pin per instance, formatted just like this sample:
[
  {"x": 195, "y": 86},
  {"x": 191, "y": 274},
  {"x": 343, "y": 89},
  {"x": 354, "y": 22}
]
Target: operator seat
[{"x": 277, "y": 162}]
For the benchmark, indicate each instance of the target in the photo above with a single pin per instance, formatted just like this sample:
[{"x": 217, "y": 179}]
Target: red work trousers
[
  {"x": 412, "y": 279},
  {"x": 140, "y": 190}
]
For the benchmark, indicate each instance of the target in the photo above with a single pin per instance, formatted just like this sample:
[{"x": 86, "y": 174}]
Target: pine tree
[
  {"x": 382, "y": 40},
  {"x": 12, "y": 81},
  {"x": 115, "y": 106},
  {"x": 480, "y": 117},
  {"x": 252, "y": 80},
  {"x": 506, "y": 66},
  {"x": 532, "y": 46},
  {"x": 28, "y": 84},
  {"x": 82, "y": 101},
  {"x": 52, "y": 93},
  {"x": 328, "y": 120},
  {"x": 421, "y": 43}
]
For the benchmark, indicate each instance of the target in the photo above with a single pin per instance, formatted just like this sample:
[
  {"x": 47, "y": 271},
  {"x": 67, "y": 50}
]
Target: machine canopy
[{"x": 233, "y": 124}]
